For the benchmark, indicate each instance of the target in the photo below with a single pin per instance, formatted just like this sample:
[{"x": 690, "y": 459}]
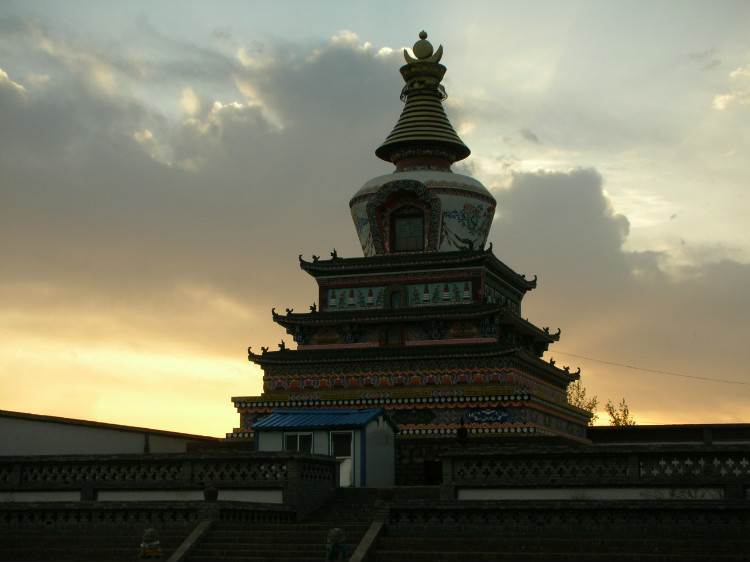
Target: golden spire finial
[
  {"x": 422, "y": 49},
  {"x": 423, "y": 130}
]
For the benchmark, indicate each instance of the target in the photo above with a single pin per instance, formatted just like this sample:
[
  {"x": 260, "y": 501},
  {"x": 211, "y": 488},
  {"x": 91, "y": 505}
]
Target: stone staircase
[
  {"x": 301, "y": 542},
  {"x": 347, "y": 505},
  {"x": 80, "y": 545},
  {"x": 350, "y": 509}
]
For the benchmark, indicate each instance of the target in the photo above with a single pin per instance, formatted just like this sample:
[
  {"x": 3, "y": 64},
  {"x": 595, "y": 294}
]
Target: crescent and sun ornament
[{"x": 422, "y": 49}]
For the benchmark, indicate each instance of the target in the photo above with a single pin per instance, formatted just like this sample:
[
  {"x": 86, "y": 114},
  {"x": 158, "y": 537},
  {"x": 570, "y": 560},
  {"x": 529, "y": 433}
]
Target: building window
[
  {"x": 408, "y": 229},
  {"x": 341, "y": 444},
  {"x": 395, "y": 299},
  {"x": 298, "y": 442}
]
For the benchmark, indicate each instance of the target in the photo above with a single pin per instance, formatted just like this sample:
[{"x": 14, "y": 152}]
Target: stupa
[{"x": 427, "y": 324}]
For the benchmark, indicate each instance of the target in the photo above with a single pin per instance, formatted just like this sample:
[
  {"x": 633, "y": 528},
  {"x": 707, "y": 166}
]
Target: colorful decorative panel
[
  {"x": 422, "y": 294},
  {"x": 488, "y": 415}
]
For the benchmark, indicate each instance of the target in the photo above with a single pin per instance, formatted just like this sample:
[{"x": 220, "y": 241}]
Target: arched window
[
  {"x": 408, "y": 229},
  {"x": 395, "y": 299}
]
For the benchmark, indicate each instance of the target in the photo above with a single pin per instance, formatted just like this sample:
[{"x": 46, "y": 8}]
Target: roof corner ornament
[{"x": 422, "y": 49}]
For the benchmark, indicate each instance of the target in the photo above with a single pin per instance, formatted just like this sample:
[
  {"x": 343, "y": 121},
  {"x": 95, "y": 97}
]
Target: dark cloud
[
  {"x": 621, "y": 306},
  {"x": 714, "y": 63},
  {"x": 702, "y": 56},
  {"x": 570, "y": 213},
  {"x": 529, "y": 136},
  {"x": 224, "y": 32},
  {"x": 89, "y": 210}
]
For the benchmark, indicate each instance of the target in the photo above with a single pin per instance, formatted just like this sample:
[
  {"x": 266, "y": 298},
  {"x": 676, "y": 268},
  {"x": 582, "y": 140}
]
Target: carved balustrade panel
[
  {"x": 696, "y": 465},
  {"x": 6, "y": 473},
  {"x": 61, "y": 516},
  {"x": 177, "y": 471},
  {"x": 240, "y": 471},
  {"x": 173, "y": 516},
  {"x": 572, "y": 519},
  {"x": 100, "y": 471},
  {"x": 539, "y": 468},
  {"x": 267, "y": 517},
  {"x": 318, "y": 472}
]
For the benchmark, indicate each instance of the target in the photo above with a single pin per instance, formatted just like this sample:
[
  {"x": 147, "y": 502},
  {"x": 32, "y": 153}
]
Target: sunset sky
[{"x": 162, "y": 165}]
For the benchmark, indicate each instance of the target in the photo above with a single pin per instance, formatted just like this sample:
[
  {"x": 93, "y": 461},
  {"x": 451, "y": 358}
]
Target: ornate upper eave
[
  {"x": 384, "y": 353},
  {"x": 452, "y": 312},
  {"x": 549, "y": 367},
  {"x": 379, "y": 315},
  {"x": 393, "y": 354},
  {"x": 411, "y": 261}
]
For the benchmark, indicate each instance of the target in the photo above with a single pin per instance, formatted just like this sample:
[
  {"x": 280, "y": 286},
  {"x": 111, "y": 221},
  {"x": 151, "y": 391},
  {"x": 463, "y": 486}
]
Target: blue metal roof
[{"x": 321, "y": 419}]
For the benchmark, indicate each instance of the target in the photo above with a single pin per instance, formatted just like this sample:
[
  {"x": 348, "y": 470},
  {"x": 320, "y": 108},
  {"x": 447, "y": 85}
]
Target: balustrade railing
[
  {"x": 289, "y": 478},
  {"x": 720, "y": 471},
  {"x": 114, "y": 516},
  {"x": 585, "y": 519}
]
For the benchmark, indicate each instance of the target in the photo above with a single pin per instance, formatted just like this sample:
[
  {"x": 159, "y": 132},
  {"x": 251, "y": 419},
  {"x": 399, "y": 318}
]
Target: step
[
  {"x": 280, "y": 537},
  {"x": 44, "y": 544},
  {"x": 499, "y": 544},
  {"x": 346, "y": 504},
  {"x": 72, "y": 553},
  {"x": 460, "y": 556},
  {"x": 265, "y": 527},
  {"x": 291, "y": 542},
  {"x": 300, "y": 558},
  {"x": 42, "y": 540},
  {"x": 420, "y": 549},
  {"x": 310, "y": 550}
]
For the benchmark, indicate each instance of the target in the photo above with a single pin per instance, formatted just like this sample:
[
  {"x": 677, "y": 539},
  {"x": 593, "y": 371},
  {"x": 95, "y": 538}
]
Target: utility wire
[{"x": 651, "y": 370}]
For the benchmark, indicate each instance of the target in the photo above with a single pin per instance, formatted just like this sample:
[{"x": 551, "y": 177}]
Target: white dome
[{"x": 456, "y": 210}]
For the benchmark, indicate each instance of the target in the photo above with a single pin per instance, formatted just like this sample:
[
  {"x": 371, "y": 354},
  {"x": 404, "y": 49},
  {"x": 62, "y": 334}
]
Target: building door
[{"x": 341, "y": 448}]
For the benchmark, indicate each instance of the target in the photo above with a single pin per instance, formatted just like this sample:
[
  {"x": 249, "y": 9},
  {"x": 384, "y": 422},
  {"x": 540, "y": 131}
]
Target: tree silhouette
[
  {"x": 577, "y": 397},
  {"x": 619, "y": 415}
]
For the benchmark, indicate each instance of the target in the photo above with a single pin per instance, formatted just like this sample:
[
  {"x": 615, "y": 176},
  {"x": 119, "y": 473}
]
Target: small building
[
  {"x": 32, "y": 434},
  {"x": 362, "y": 440}
]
